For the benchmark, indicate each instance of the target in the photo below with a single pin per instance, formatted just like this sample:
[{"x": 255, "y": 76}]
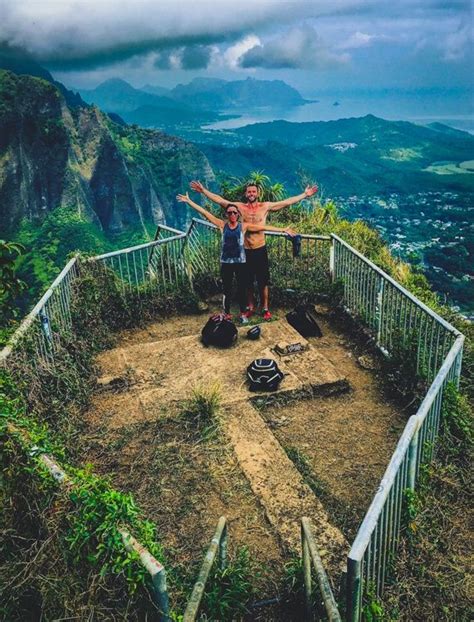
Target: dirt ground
[
  {"x": 344, "y": 441},
  {"x": 184, "y": 480}
]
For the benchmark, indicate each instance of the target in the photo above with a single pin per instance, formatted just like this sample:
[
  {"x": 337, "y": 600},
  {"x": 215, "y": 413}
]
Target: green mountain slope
[
  {"x": 71, "y": 178},
  {"x": 348, "y": 156}
]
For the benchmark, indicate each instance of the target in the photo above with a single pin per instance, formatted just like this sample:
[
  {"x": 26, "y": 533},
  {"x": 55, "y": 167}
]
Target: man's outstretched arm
[
  {"x": 216, "y": 198},
  {"x": 276, "y": 205}
]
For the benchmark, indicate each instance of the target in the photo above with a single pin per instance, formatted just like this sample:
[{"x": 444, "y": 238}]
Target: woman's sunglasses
[{"x": 232, "y": 212}]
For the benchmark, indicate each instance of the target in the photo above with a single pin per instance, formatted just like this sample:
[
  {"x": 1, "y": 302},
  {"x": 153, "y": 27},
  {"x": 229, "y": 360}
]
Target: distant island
[{"x": 202, "y": 101}]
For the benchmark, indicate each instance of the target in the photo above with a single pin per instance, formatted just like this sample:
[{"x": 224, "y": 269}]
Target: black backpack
[
  {"x": 303, "y": 319},
  {"x": 264, "y": 375},
  {"x": 219, "y": 332}
]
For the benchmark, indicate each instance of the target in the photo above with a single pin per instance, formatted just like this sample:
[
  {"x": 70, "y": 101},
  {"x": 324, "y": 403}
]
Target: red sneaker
[
  {"x": 266, "y": 314},
  {"x": 249, "y": 312}
]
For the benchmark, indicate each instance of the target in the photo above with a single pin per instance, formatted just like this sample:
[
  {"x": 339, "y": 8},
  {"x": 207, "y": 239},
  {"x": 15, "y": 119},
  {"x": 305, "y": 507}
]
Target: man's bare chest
[{"x": 255, "y": 217}]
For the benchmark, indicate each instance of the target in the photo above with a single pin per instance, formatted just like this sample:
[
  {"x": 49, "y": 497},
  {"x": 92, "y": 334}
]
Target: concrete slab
[
  {"x": 167, "y": 370},
  {"x": 280, "y": 488}
]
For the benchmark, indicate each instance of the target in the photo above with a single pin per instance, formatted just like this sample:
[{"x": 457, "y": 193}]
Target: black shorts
[{"x": 257, "y": 266}]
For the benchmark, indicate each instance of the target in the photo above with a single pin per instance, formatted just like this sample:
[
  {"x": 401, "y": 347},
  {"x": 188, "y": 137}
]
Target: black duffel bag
[
  {"x": 303, "y": 319},
  {"x": 219, "y": 332},
  {"x": 264, "y": 375}
]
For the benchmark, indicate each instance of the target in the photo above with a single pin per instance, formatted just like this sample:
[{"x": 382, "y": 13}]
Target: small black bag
[
  {"x": 219, "y": 332},
  {"x": 254, "y": 333},
  {"x": 264, "y": 375},
  {"x": 303, "y": 319}
]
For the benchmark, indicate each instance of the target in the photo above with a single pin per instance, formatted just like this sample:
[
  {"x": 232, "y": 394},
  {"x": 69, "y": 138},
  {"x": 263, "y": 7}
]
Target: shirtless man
[{"x": 255, "y": 212}]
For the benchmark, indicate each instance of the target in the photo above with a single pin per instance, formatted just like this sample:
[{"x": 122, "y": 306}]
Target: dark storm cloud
[
  {"x": 196, "y": 57},
  {"x": 298, "y": 48},
  {"x": 87, "y": 33}
]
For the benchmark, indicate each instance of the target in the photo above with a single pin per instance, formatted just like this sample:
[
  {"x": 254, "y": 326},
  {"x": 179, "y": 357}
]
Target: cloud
[
  {"x": 90, "y": 33},
  {"x": 196, "y": 57},
  {"x": 458, "y": 43},
  {"x": 192, "y": 57},
  {"x": 298, "y": 48},
  {"x": 361, "y": 40},
  {"x": 233, "y": 53}
]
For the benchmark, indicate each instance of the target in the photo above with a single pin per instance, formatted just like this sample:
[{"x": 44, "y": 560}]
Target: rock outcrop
[{"x": 53, "y": 154}]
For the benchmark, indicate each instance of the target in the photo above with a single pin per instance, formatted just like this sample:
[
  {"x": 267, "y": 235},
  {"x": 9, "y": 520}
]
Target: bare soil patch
[{"x": 184, "y": 483}]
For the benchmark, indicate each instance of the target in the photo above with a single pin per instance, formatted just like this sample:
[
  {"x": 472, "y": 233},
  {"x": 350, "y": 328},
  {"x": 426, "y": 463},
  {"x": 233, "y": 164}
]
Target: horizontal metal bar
[
  {"x": 148, "y": 561},
  {"x": 400, "y": 288},
  {"x": 152, "y": 565},
  {"x": 306, "y": 236},
  {"x": 30, "y": 318},
  {"x": 167, "y": 228},
  {"x": 124, "y": 251}
]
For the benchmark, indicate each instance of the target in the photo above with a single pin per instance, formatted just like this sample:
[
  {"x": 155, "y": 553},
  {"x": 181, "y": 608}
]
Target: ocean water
[{"x": 455, "y": 110}]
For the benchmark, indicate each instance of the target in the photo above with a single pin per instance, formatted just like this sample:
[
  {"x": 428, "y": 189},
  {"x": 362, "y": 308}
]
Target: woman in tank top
[{"x": 232, "y": 251}]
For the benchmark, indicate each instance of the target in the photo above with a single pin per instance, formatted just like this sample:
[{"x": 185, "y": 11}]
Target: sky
[{"x": 314, "y": 45}]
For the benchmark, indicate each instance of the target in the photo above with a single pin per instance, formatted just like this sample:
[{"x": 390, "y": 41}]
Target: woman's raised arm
[{"x": 184, "y": 198}]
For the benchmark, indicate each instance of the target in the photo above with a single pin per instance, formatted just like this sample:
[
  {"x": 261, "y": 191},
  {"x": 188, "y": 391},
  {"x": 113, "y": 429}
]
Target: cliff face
[{"x": 53, "y": 155}]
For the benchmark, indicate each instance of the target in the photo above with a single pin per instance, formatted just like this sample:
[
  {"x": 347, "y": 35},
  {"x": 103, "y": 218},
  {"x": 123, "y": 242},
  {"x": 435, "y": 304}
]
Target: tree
[{"x": 10, "y": 284}]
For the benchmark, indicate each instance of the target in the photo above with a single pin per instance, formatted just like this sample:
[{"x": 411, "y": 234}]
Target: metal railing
[
  {"x": 311, "y": 558},
  {"x": 218, "y": 547},
  {"x": 154, "y": 267},
  {"x": 308, "y": 272},
  {"x": 390, "y": 312},
  {"x": 155, "y": 569},
  {"x": 397, "y": 320},
  {"x": 49, "y": 319},
  {"x": 392, "y": 315}
]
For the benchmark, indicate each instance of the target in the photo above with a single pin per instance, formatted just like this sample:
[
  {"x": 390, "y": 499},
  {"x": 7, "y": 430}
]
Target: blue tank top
[{"x": 233, "y": 245}]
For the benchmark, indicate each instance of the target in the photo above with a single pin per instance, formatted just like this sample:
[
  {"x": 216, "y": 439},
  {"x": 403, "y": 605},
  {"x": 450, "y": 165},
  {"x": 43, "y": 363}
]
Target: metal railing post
[
  {"x": 354, "y": 590},
  {"x": 332, "y": 260},
  {"x": 200, "y": 585},
  {"x": 413, "y": 461},
  {"x": 306, "y": 574},
  {"x": 311, "y": 556},
  {"x": 378, "y": 310},
  {"x": 223, "y": 549},
  {"x": 156, "y": 570}
]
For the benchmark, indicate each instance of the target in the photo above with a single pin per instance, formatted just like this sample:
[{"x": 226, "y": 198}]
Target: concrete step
[{"x": 280, "y": 488}]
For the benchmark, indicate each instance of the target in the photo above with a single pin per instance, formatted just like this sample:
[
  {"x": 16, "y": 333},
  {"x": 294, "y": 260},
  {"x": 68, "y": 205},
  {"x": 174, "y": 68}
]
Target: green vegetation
[
  {"x": 229, "y": 590},
  {"x": 76, "y": 527},
  {"x": 203, "y": 406},
  {"x": 10, "y": 284},
  {"x": 49, "y": 243}
]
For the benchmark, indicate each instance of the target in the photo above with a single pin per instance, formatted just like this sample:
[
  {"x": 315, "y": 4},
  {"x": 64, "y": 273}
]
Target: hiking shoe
[
  {"x": 249, "y": 312},
  {"x": 244, "y": 319},
  {"x": 266, "y": 314}
]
